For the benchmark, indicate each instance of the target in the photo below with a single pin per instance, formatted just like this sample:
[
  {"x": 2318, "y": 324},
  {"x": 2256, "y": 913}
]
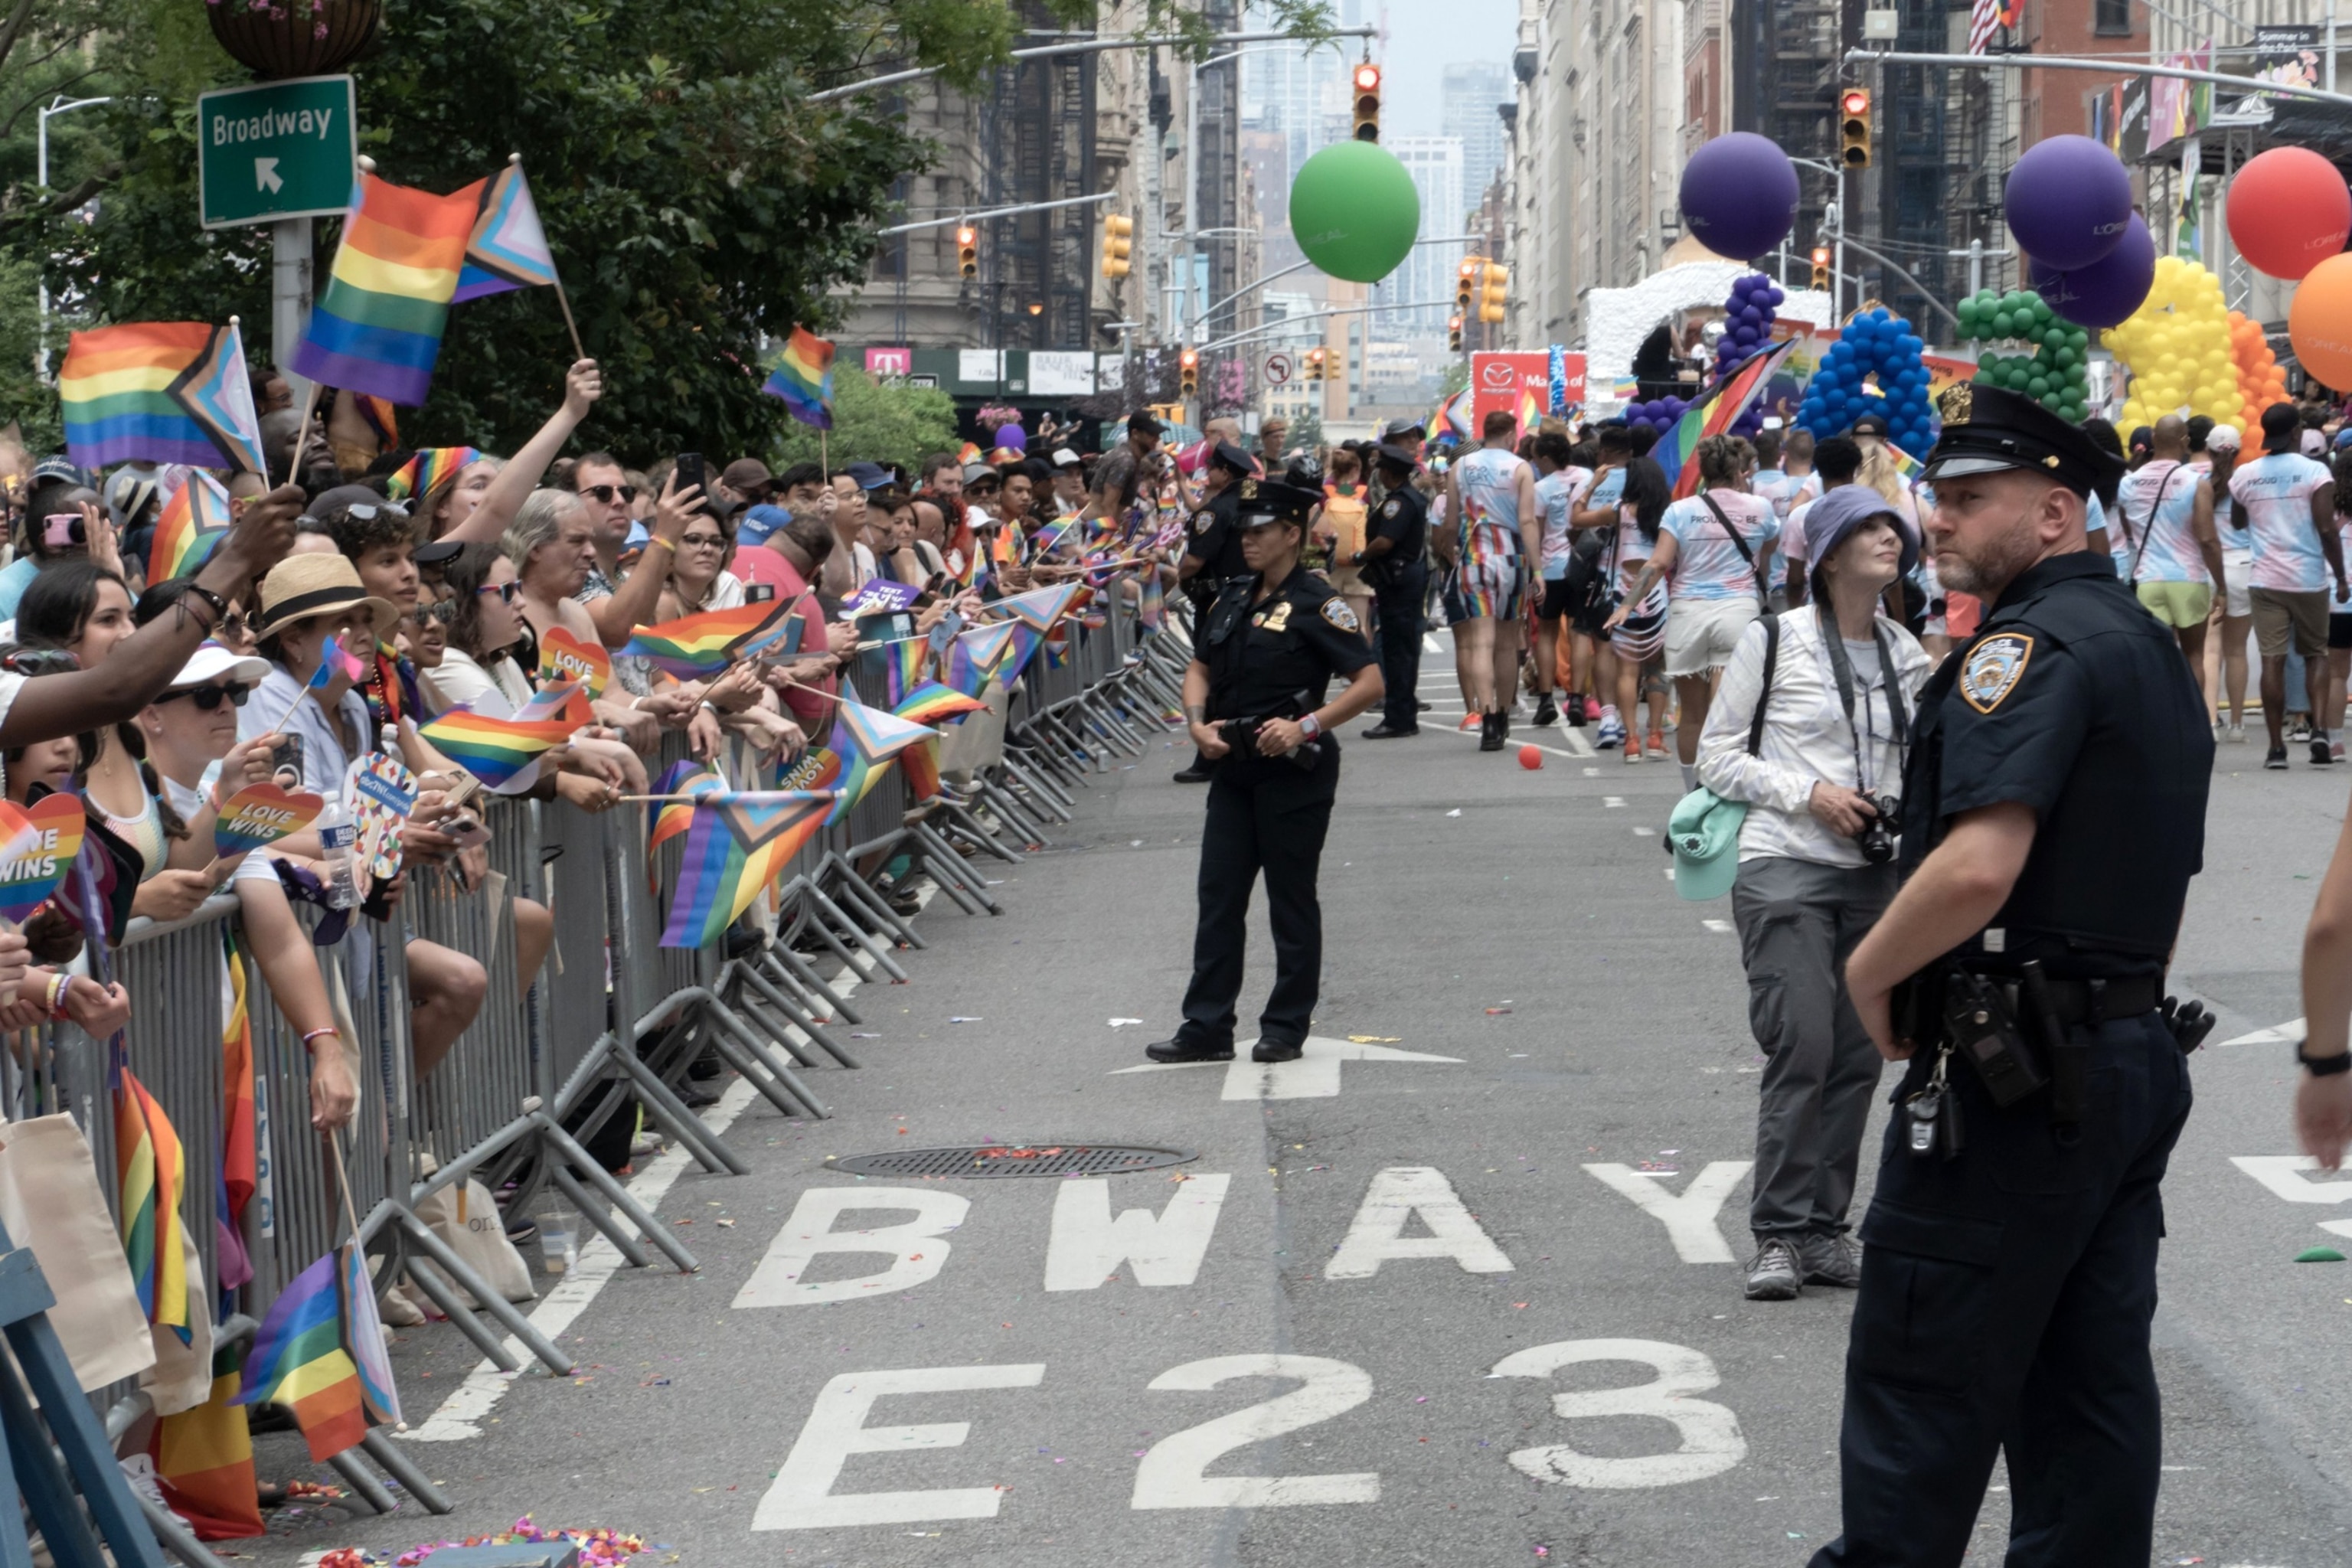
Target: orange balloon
[{"x": 2319, "y": 322}]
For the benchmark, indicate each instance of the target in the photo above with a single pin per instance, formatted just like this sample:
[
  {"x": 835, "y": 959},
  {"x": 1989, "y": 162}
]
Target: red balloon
[
  {"x": 1530, "y": 758},
  {"x": 2289, "y": 211}
]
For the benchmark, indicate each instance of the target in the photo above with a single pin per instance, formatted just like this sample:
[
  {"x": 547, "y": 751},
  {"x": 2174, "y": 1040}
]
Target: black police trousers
[
  {"x": 1399, "y": 599},
  {"x": 2005, "y": 1303},
  {"x": 1270, "y": 815}
]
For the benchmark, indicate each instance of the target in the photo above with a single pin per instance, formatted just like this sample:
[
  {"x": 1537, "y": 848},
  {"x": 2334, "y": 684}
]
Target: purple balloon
[
  {"x": 1013, "y": 437},
  {"x": 2068, "y": 201},
  {"x": 1739, "y": 194},
  {"x": 2106, "y": 292}
]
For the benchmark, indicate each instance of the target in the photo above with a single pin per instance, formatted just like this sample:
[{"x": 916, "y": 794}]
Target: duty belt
[{"x": 2094, "y": 1001}]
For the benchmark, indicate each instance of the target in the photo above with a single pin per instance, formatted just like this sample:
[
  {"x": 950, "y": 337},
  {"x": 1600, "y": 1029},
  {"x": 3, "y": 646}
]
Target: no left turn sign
[{"x": 1277, "y": 369}]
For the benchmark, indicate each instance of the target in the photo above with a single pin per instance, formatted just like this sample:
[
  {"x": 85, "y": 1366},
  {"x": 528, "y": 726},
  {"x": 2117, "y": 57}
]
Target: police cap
[
  {"x": 1389, "y": 455},
  {"x": 1227, "y": 455},
  {"x": 1988, "y": 428},
  {"x": 1271, "y": 500}
]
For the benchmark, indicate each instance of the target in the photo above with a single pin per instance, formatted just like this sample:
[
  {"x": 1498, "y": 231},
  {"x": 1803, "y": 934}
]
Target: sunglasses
[
  {"x": 610, "y": 494},
  {"x": 39, "y": 661},
  {"x": 443, "y": 611},
  {"x": 234, "y": 623},
  {"x": 209, "y": 698},
  {"x": 704, "y": 541},
  {"x": 507, "y": 591}
]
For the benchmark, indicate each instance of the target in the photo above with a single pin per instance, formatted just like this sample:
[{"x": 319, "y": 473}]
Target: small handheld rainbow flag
[
  {"x": 193, "y": 521},
  {"x": 151, "y": 1168},
  {"x": 507, "y": 249},
  {"x": 429, "y": 468},
  {"x": 333, "y": 661},
  {"x": 697, "y": 644},
  {"x": 972, "y": 658},
  {"x": 738, "y": 843},
  {"x": 803, "y": 379},
  {"x": 928, "y": 704},
  {"x": 495, "y": 750},
  {"x": 160, "y": 392},
  {"x": 1040, "y": 607},
  {"x": 865, "y": 740},
  {"x": 204, "y": 1461},
  {"x": 376, "y": 327},
  {"x": 1715, "y": 413},
  {"x": 306, "y": 1358},
  {"x": 1909, "y": 466}
]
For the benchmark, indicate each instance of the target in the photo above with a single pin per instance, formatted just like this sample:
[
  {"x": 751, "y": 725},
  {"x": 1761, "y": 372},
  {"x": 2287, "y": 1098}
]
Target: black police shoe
[
  {"x": 1420, "y": 706},
  {"x": 1387, "y": 731},
  {"x": 1197, "y": 773},
  {"x": 1277, "y": 1051},
  {"x": 1490, "y": 732},
  {"x": 1545, "y": 712},
  {"x": 1177, "y": 1051}
]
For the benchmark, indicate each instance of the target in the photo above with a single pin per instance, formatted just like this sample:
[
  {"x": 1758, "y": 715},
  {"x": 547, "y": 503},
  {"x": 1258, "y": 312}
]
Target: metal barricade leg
[
  {"x": 875, "y": 946},
  {"x": 855, "y": 890},
  {"x": 357, "y": 1477},
  {"x": 490, "y": 1300},
  {"x": 802, "y": 1017},
  {"x": 389, "y": 1457},
  {"x": 617, "y": 1196},
  {"x": 780, "y": 956},
  {"x": 952, "y": 870}
]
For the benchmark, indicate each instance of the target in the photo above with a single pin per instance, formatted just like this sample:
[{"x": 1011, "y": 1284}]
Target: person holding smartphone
[{"x": 63, "y": 522}]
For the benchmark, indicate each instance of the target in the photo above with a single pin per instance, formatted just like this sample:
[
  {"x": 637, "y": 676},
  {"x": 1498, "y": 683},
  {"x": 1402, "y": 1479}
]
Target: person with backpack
[{"x": 1810, "y": 729}]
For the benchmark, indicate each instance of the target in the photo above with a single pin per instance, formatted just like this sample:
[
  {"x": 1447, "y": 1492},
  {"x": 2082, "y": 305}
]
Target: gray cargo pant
[{"x": 1797, "y": 922}]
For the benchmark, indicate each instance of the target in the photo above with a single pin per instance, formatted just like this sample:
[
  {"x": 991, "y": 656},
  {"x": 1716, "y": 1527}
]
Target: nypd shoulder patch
[
  {"x": 1336, "y": 611},
  {"x": 1391, "y": 508},
  {"x": 1995, "y": 666}
]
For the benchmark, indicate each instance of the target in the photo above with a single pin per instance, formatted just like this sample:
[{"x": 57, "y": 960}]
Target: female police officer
[{"x": 1254, "y": 698}]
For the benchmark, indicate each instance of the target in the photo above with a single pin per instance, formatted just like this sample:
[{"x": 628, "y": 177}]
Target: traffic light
[
  {"x": 1188, "y": 372},
  {"x": 1494, "y": 291},
  {"x": 1820, "y": 268},
  {"x": 1465, "y": 283},
  {"x": 1368, "y": 102},
  {"x": 1119, "y": 246},
  {"x": 1854, "y": 127},
  {"x": 1314, "y": 368},
  {"x": 968, "y": 250},
  {"x": 1454, "y": 332}
]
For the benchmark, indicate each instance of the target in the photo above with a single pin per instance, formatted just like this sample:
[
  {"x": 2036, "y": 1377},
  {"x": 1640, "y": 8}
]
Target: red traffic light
[
  {"x": 1855, "y": 101},
  {"x": 1189, "y": 358},
  {"x": 1368, "y": 77},
  {"x": 967, "y": 235},
  {"x": 1820, "y": 255}
]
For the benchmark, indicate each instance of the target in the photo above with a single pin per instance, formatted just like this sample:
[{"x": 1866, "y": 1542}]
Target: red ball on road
[{"x": 1530, "y": 757}]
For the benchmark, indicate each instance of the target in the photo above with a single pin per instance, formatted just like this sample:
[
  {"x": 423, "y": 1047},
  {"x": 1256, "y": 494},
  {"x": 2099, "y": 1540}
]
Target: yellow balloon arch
[{"x": 2177, "y": 347}]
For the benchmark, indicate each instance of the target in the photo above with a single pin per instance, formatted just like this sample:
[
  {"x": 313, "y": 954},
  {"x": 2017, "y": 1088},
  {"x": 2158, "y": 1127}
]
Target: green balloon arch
[{"x": 1354, "y": 211}]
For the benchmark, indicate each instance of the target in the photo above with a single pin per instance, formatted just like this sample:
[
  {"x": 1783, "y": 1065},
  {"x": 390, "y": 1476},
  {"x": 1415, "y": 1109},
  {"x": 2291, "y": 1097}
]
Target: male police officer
[
  {"x": 1253, "y": 696},
  {"x": 1391, "y": 562},
  {"x": 1213, "y": 556},
  {"x": 2054, "y": 813}
]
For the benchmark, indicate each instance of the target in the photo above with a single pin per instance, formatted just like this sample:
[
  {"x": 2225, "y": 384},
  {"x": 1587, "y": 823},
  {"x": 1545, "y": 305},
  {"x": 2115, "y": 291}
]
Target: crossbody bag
[{"x": 1740, "y": 544}]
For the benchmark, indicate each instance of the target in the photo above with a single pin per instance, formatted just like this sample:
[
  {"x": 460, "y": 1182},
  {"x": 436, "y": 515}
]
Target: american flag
[{"x": 1987, "y": 17}]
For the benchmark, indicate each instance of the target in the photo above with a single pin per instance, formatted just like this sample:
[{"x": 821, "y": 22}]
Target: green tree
[
  {"x": 873, "y": 422},
  {"x": 698, "y": 203}
]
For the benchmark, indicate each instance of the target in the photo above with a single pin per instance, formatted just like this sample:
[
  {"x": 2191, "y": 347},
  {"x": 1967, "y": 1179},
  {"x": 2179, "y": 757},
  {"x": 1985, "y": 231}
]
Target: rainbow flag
[
  {"x": 1909, "y": 466},
  {"x": 788, "y": 634},
  {"x": 335, "y": 660},
  {"x": 1530, "y": 411},
  {"x": 150, "y": 1170},
  {"x": 300, "y": 1358},
  {"x": 193, "y": 521},
  {"x": 1452, "y": 414},
  {"x": 967, "y": 455},
  {"x": 507, "y": 249},
  {"x": 865, "y": 740},
  {"x": 240, "y": 1157},
  {"x": 376, "y": 327},
  {"x": 905, "y": 663},
  {"x": 160, "y": 392},
  {"x": 1715, "y": 413},
  {"x": 363, "y": 1339},
  {"x": 933, "y": 702},
  {"x": 495, "y": 750},
  {"x": 431, "y": 467},
  {"x": 1152, "y": 601},
  {"x": 973, "y": 657},
  {"x": 738, "y": 843},
  {"x": 1625, "y": 389},
  {"x": 697, "y": 644},
  {"x": 803, "y": 379},
  {"x": 665, "y": 819},
  {"x": 1041, "y": 608},
  {"x": 204, "y": 1459}
]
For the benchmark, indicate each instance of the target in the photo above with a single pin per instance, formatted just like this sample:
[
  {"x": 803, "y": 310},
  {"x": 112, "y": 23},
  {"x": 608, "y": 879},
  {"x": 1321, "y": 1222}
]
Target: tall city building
[
  {"x": 1469, "y": 104},
  {"x": 1436, "y": 165}
]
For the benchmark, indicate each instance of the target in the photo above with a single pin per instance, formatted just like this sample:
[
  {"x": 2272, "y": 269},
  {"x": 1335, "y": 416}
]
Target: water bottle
[
  {"x": 338, "y": 836},
  {"x": 559, "y": 1252}
]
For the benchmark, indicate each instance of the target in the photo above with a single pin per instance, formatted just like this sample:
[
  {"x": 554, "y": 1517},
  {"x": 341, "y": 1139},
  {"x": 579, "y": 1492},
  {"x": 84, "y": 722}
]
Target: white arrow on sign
[
  {"x": 1314, "y": 1076},
  {"x": 265, "y": 175}
]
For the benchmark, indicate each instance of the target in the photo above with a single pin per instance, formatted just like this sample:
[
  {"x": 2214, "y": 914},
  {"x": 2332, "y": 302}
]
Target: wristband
[
  {"x": 54, "y": 1005},
  {"x": 311, "y": 1035},
  {"x": 2324, "y": 1066},
  {"x": 1310, "y": 726},
  {"x": 666, "y": 544}
]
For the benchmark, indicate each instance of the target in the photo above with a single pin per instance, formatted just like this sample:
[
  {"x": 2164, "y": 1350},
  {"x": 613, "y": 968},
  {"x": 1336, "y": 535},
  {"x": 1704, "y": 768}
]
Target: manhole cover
[{"x": 994, "y": 1160}]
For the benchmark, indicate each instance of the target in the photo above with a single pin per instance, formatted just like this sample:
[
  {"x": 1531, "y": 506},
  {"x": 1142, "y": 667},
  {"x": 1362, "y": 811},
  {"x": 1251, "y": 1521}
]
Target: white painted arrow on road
[
  {"x": 2287, "y": 1034},
  {"x": 265, "y": 175},
  {"x": 1314, "y": 1076}
]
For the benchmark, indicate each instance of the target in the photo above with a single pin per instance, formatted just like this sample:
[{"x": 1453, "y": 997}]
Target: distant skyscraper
[
  {"x": 1468, "y": 102},
  {"x": 1427, "y": 272},
  {"x": 1297, "y": 94}
]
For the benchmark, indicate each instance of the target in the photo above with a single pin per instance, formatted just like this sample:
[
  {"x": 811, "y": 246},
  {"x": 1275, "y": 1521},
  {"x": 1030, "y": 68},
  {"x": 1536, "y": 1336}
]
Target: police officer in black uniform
[
  {"x": 1255, "y": 698},
  {"x": 2054, "y": 813},
  {"x": 1391, "y": 562},
  {"x": 1213, "y": 556}
]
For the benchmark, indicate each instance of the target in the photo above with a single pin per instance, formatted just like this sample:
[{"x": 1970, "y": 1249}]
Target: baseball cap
[
  {"x": 745, "y": 476},
  {"x": 1402, "y": 426},
  {"x": 758, "y": 522},
  {"x": 59, "y": 471},
  {"x": 211, "y": 661},
  {"x": 433, "y": 552},
  {"x": 1704, "y": 833},
  {"x": 869, "y": 476},
  {"x": 974, "y": 472},
  {"x": 1066, "y": 458},
  {"x": 1143, "y": 420},
  {"x": 1869, "y": 424}
]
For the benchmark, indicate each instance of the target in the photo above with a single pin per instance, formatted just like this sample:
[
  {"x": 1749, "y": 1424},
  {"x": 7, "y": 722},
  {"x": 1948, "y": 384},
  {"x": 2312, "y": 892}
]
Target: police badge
[
  {"x": 1957, "y": 402},
  {"x": 1994, "y": 668}
]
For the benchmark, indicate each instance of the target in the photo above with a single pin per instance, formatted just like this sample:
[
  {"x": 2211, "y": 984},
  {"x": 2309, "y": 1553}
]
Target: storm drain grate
[{"x": 994, "y": 1159}]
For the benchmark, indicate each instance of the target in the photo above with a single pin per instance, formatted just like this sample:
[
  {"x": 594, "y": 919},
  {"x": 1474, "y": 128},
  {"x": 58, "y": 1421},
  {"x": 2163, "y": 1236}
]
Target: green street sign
[{"x": 277, "y": 149}]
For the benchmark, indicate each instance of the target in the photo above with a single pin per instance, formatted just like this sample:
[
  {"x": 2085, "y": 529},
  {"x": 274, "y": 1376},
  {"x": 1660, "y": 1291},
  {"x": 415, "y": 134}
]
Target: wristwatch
[
  {"x": 2324, "y": 1066},
  {"x": 1311, "y": 727}
]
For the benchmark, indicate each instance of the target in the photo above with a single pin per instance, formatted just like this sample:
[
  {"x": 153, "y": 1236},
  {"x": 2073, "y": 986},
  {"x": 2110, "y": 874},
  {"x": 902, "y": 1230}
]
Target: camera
[{"x": 1877, "y": 836}]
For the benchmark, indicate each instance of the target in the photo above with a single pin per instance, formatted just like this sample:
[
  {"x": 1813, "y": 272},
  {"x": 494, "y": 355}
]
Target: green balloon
[
  {"x": 2038, "y": 388},
  {"x": 2055, "y": 337},
  {"x": 1354, "y": 211},
  {"x": 2082, "y": 339},
  {"x": 2004, "y": 324}
]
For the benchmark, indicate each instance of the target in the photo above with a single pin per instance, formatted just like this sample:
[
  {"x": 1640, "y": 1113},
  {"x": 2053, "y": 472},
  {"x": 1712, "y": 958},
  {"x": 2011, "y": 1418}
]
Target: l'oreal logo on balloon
[{"x": 2111, "y": 227}]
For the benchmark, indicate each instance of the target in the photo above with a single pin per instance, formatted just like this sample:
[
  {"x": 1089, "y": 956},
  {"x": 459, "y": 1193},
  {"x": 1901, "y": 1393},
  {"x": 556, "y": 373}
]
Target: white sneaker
[{"x": 2236, "y": 734}]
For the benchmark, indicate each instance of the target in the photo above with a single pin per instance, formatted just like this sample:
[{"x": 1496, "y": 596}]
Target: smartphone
[
  {"x": 464, "y": 830},
  {"x": 690, "y": 472},
  {"x": 286, "y": 761},
  {"x": 759, "y": 593},
  {"x": 62, "y": 531}
]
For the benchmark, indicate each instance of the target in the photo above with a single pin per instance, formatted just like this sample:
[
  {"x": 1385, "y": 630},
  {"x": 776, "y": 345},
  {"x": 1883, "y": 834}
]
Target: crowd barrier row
[{"x": 615, "y": 1023}]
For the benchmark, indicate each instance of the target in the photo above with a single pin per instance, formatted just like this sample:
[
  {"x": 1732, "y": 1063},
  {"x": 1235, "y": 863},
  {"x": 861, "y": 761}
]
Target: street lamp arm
[
  {"x": 1288, "y": 321},
  {"x": 1903, "y": 273},
  {"x": 1001, "y": 212},
  {"x": 1210, "y": 314},
  {"x": 1083, "y": 46},
  {"x": 2111, "y": 65}
]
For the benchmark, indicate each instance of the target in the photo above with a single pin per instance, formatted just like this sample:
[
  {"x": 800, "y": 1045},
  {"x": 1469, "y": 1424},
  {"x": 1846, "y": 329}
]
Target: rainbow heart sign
[
  {"x": 563, "y": 657},
  {"x": 37, "y": 849},
  {"x": 260, "y": 815}
]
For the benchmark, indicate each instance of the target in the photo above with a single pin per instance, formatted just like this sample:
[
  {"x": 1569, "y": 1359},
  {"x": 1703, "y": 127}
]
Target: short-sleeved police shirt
[
  {"x": 2073, "y": 702},
  {"x": 1216, "y": 543},
  {"x": 1263, "y": 656},
  {"x": 1403, "y": 520}
]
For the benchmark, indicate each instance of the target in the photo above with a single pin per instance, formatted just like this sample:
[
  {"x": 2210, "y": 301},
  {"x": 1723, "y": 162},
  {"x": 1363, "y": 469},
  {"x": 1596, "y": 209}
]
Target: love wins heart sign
[
  {"x": 563, "y": 657},
  {"x": 260, "y": 815},
  {"x": 38, "y": 847}
]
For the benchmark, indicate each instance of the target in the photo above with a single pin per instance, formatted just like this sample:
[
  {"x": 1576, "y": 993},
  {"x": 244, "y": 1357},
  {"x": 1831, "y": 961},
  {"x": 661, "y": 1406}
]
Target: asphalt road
[{"x": 1476, "y": 1305}]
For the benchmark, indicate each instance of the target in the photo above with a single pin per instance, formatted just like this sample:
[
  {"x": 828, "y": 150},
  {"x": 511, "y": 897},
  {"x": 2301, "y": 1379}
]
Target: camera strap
[{"x": 1842, "y": 669}]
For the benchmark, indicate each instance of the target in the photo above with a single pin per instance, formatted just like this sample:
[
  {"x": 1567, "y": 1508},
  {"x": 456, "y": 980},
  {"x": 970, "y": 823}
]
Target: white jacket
[{"x": 1806, "y": 738}]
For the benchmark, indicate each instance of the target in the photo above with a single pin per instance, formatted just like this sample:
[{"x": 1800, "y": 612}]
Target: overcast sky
[{"x": 1424, "y": 37}]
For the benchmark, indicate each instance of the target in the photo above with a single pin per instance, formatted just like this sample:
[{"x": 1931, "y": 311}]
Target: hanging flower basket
[{"x": 280, "y": 38}]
